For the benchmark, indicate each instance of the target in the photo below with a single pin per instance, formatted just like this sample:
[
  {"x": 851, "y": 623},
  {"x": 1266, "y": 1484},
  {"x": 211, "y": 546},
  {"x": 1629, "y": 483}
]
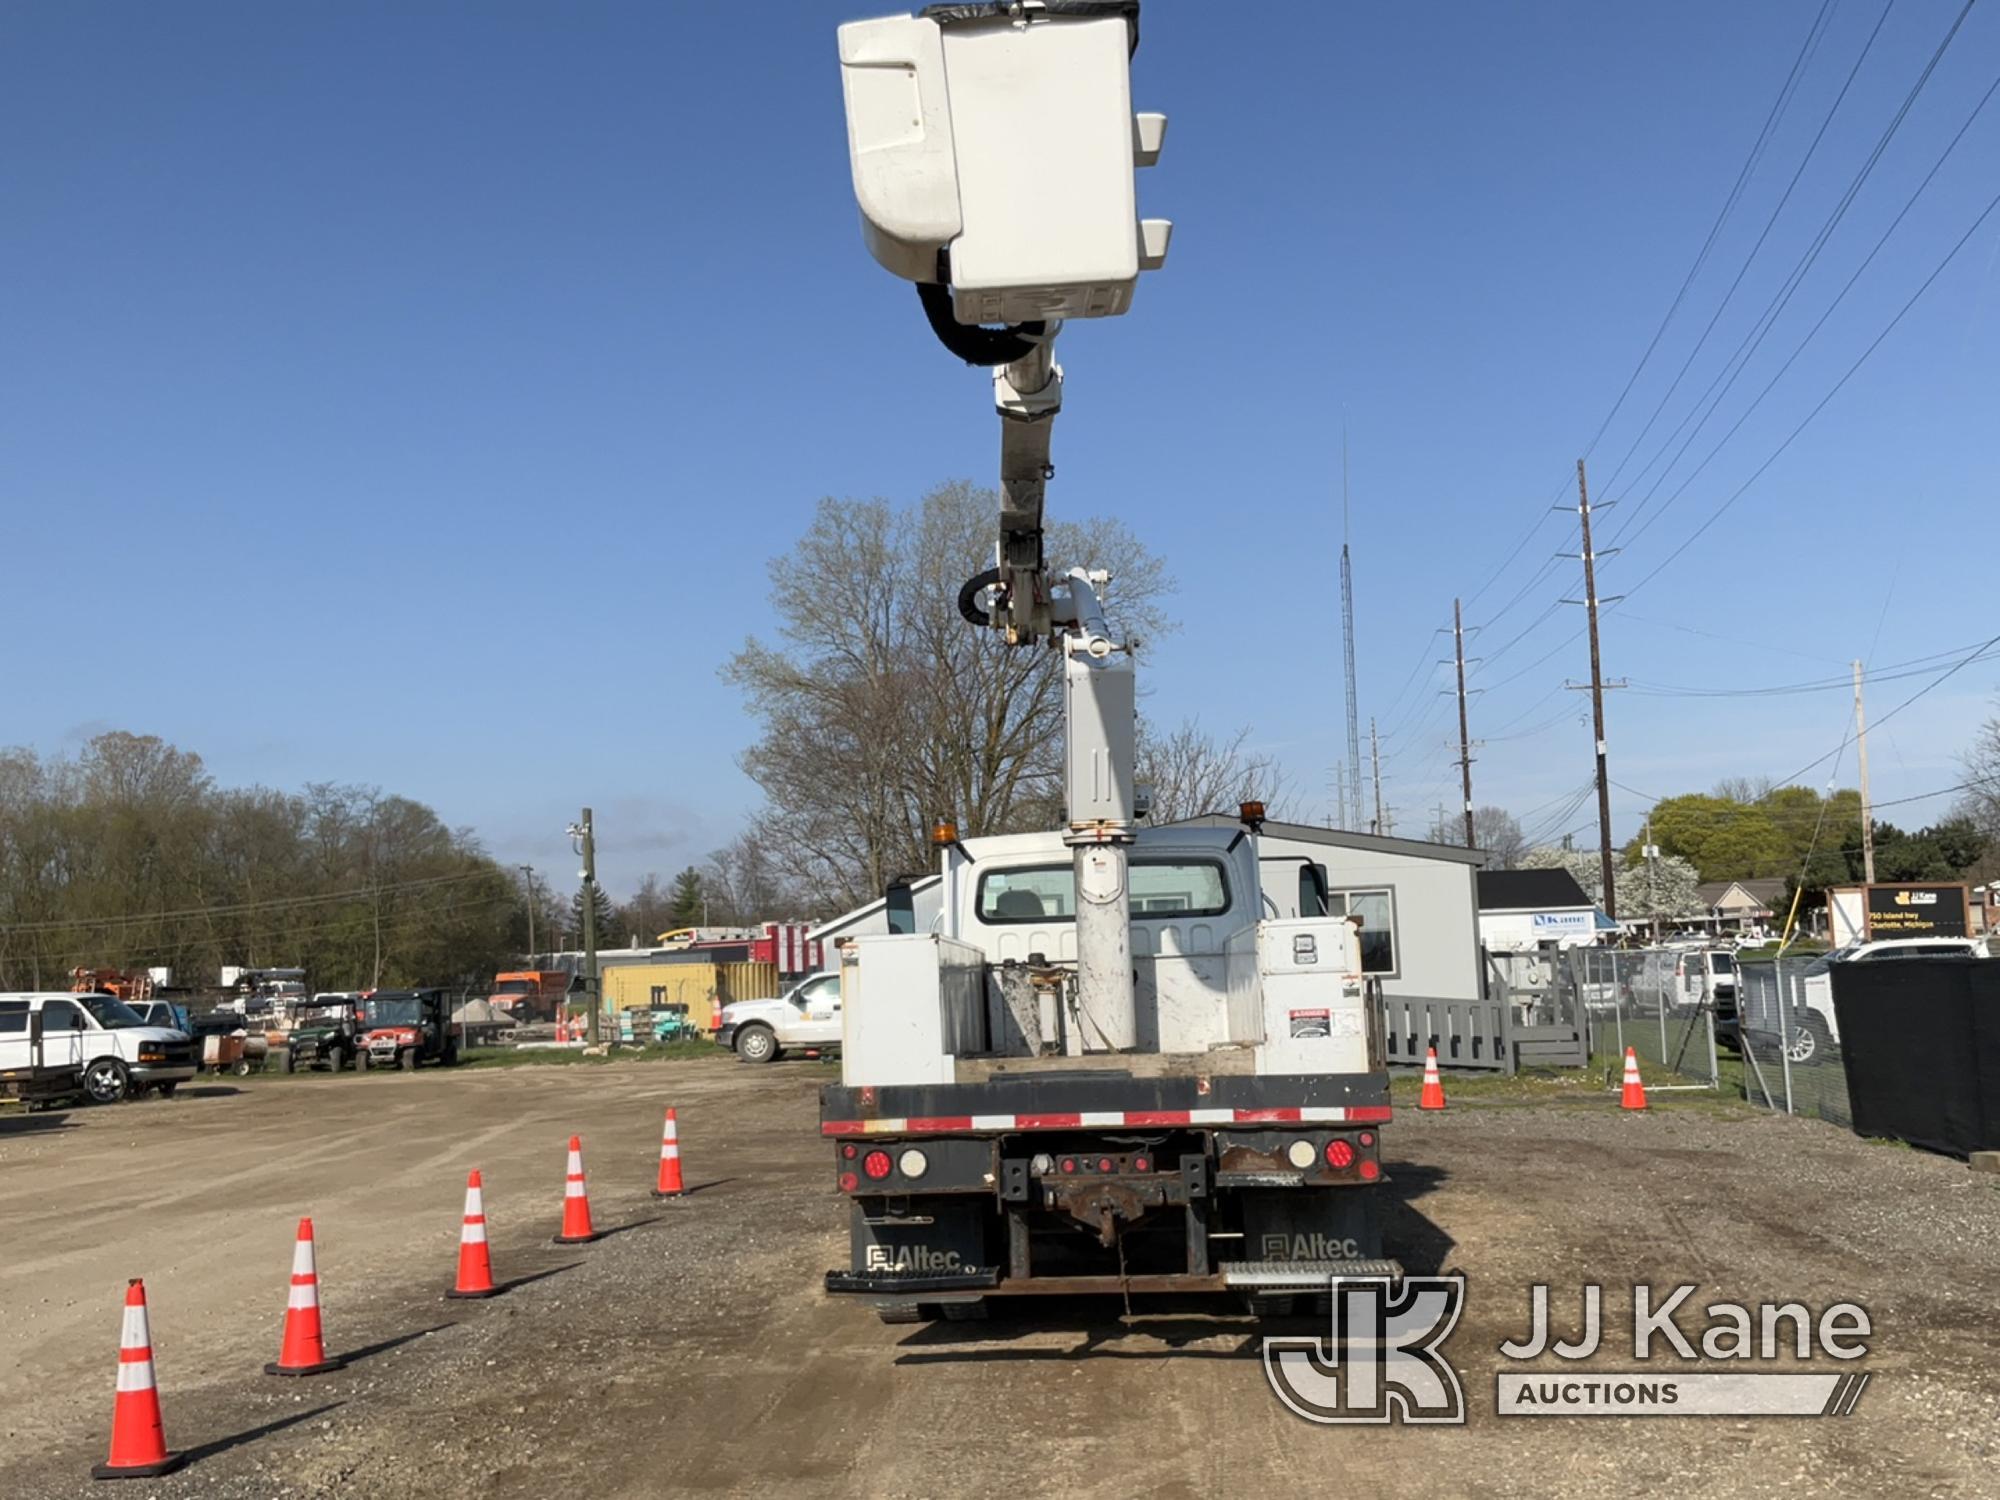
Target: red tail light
[
  {"x": 1104, "y": 1164},
  {"x": 1142, "y": 1164},
  {"x": 850, "y": 1151},
  {"x": 1369, "y": 1171},
  {"x": 1339, "y": 1155},
  {"x": 849, "y": 1182},
  {"x": 876, "y": 1164}
]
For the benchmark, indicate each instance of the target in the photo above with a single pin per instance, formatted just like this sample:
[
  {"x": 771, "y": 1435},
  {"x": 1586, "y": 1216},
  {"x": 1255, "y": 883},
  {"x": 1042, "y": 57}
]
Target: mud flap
[
  {"x": 925, "y": 1244},
  {"x": 1310, "y": 1225}
]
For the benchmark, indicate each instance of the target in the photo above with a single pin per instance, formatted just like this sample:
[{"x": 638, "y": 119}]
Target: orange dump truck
[{"x": 530, "y": 994}]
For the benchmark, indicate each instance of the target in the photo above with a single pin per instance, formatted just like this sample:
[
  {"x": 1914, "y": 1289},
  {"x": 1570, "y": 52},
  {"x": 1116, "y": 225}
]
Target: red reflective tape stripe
[
  {"x": 1047, "y": 1122},
  {"x": 1156, "y": 1117},
  {"x": 475, "y": 1218},
  {"x": 1267, "y": 1116},
  {"x": 941, "y": 1122},
  {"x": 309, "y": 1279},
  {"x": 135, "y": 1356},
  {"x": 842, "y": 1127},
  {"x": 1368, "y": 1114}
]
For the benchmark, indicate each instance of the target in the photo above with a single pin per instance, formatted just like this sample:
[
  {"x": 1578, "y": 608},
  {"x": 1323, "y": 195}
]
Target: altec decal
[
  {"x": 1309, "y": 1247},
  {"x": 910, "y": 1258},
  {"x": 1352, "y": 1114}
]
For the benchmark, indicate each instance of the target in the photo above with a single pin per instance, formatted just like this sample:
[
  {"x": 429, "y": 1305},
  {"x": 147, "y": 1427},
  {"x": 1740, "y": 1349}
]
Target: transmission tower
[{"x": 1352, "y": 810}]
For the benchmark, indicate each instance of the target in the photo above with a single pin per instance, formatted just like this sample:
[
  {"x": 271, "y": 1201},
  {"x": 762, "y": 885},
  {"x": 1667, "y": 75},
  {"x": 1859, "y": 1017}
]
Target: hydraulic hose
[{"x": 970, "y": 342}]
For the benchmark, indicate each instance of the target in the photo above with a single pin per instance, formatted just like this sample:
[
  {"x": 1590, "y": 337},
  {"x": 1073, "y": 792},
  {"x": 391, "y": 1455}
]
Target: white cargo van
[{"x": 119, "y": 1054}]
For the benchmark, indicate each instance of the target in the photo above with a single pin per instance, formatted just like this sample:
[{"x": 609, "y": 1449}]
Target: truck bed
[{"x": 1094, "y": 1097}]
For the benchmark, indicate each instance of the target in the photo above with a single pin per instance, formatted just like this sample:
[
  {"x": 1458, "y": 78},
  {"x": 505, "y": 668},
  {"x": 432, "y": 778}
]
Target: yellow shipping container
[{"x": 703, "y": 988}]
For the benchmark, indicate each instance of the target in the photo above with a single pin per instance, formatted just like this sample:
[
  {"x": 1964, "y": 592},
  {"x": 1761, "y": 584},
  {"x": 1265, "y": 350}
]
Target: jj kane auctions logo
[{"x": 1382, "y": 1359}]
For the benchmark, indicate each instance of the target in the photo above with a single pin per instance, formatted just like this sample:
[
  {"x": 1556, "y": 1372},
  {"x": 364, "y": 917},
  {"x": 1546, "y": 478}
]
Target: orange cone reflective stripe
[
  {"x": 138, "y": 1441},
  {"x": 303, "y": 1350},
  {"x": 576, "y": 1225},
  {"x": 670, "y": 1160},
  {"x": 475, "y": 1264}
]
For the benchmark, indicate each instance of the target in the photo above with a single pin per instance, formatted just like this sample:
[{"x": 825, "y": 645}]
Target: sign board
[
  {"x": 1896, "y": 911},
  {"x": 1565, "y": 921}
]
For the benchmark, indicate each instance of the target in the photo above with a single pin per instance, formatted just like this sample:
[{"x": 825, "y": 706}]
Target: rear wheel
[
  {"x": 450, "y": 1057},
  {"x": 1811, "y": 1042},
  {"x": 242, "y": 1068}
]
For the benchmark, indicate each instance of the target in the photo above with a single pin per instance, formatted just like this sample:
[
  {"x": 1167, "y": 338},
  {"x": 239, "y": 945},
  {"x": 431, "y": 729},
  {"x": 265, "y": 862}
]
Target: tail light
[
  {"x": 876, "y": 1164},
  {"x": 1339, "y": 1155},
  {"x": 914, "y": 1163},
  {"x": 849, "y": 1182},
  {"x": 1142, "y": 1164},
  {"x": 1370, "y": 1171}
]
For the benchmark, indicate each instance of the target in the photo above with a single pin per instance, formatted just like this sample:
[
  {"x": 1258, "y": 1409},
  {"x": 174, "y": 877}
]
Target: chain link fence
[
  {"x": 1791, "y": 1060},
  {"x": 1663, "y": 1003}
]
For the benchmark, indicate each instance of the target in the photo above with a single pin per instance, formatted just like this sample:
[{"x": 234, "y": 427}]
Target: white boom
[{"x": 994, "y": 149}]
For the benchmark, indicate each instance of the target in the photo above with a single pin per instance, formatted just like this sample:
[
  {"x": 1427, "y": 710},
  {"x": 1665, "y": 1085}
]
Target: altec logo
[
  {"x": 910, "y": 1258},
  {"x": 1382, "y": 1362},
  {"x": 1314, "y": 1246}
]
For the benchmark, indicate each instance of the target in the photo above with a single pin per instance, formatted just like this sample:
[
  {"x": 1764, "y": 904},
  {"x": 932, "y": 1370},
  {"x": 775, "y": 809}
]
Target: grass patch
[{"x": 555, "y": 1057}]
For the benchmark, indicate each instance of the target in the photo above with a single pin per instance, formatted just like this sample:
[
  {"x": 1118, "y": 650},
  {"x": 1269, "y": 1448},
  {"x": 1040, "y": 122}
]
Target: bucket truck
[{"x": 1103, "y": 1069}]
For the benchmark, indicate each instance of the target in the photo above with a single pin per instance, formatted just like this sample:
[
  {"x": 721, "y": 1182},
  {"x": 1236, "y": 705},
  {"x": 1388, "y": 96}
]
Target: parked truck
[
  {"x": 1104, "y": 1069},
  {"x": 530, "y": 994}
]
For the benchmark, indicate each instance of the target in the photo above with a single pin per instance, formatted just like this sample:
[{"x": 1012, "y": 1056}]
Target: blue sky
[{"x": 412, "y": 393}]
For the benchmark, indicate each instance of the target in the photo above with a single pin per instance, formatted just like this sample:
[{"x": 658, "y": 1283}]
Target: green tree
[
  {"x": 610, "y": 930},
  {"x": 687, "y": 899}
]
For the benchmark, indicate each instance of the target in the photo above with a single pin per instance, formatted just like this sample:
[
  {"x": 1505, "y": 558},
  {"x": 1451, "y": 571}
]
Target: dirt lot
[{"x": 693, "y": 1352}]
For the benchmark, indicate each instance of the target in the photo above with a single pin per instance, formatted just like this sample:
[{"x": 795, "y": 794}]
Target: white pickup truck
[
  {"x": 119, "y": 1054},
  {"x": 805, "y": 1017}
]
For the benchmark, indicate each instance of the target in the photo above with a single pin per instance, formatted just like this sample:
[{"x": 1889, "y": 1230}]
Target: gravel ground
[{"x": 692, "y": 1351}]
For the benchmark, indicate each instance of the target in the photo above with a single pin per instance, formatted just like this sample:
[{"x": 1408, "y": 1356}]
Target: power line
[
  {"x": 1755, "y": 339},
  {"x": 237, "y": 908}
]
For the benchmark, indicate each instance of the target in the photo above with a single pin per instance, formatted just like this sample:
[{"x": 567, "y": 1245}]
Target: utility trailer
[{"x": 1105, "y": 1069}]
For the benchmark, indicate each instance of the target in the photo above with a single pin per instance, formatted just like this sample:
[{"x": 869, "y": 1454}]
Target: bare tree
[
  {"x": 1192, "y": 772},
  {"x": 1748, "y": 790},
  {"x": 882, "y": 709},
  {"x": 1494, "y": 830}
]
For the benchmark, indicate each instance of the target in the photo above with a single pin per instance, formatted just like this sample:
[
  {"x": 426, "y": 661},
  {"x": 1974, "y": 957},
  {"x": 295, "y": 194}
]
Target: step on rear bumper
[{"x": 1303, "y": 1275}]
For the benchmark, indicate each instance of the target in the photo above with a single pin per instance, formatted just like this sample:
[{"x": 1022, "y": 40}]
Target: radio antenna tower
[{"x": 1351, "y": 812}]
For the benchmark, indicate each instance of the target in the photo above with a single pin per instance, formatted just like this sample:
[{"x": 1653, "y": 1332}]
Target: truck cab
[
  {"x": 118, "y": 1055},
  {"x": 806, "y": 1017}
]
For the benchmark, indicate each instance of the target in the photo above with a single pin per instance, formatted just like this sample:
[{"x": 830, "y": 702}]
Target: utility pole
[
  {"x": 1867, "y": 822},
  {"x": 1375, "y": 755},
  {"x": 529, "y": 871},
  {"x": 1596, "y": 698},
  {"x": 1464, "y": 736},
  {"x": 584, "y": 840}
]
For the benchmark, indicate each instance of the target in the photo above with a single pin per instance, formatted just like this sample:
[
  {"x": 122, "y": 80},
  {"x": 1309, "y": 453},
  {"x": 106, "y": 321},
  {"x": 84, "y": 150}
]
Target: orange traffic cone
[
  {"x": 670, "y": 1160},
  {"x": 562, "y": 1026},
  {"x": 475, "y": 1264},
  {"x": 1634, "y": 1094},
  {"x": 138, "y": 1442},
  {"x": 576, "y": 1229},
  {"x": 303, "y": 1351},
  {"x": 1433, "y": 1095}
]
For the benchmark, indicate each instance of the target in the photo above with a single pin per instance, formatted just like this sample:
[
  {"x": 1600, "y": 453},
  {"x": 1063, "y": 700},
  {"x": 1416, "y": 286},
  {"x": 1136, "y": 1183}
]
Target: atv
[
  {"x": 407, "y": 1027},
  {"x": 325, "y": 1033}
]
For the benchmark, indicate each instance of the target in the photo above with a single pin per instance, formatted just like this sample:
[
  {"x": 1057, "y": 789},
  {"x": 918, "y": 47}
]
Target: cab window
[
  {"x": 1159, "y": 888},
  {"x": 61, "y": 1015}
]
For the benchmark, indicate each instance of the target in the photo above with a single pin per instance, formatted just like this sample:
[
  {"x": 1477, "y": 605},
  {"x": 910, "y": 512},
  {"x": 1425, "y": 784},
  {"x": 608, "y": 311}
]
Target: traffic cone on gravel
[
  {"x": 576, "y": 1228},
  {"x": 475, "y": 1265},
  {"x": 138, "y": 1442},
  {"x": 303, "y": 1351},
  {"x": 1634, "y": 1094},
  {"x": 670, "y": 1160},
  {"x": 1433, "y": 1095}
]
